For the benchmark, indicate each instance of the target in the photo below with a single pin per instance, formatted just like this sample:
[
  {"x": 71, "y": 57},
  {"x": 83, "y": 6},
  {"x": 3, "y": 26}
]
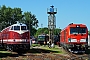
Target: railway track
[
  {"x": 47, "y": 56},
  {"x": 73, "y": 56}
]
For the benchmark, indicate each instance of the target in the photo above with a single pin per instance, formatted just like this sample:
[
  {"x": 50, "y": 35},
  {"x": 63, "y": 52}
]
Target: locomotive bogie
[{"x": 16, "y": 47}]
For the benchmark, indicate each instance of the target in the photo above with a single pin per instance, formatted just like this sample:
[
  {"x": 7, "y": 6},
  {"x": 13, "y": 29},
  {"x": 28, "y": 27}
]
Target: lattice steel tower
[{"x": 51, "y": 22}]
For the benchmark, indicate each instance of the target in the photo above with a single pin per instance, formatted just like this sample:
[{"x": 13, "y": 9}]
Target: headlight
[
  {"x": 82, "y": 40},
  {"x": 72, "y": 40}
]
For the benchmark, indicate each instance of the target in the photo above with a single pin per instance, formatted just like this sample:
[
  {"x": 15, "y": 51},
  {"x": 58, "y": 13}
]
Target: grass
[
  {"x": 56, "y": 49},
  {"x": 4, "y": 54},
  {"x": 33, "y": 45}
]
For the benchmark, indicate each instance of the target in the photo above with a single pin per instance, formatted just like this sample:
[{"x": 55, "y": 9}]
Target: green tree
[
  {"x": 31, "y": 21},
  {"x": 42, "y": 31},
  {"x": 34, "y": 31},
  {"x": 46, "y": 31},
  {"x": 57, "y": 31},
  {"x": 9, "y": 16},
  {"x": 89, "y": 32}
]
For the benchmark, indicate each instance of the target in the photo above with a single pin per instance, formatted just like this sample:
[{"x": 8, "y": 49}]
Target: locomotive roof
[
  {"x": 76, "y": 24},
  {"x": 73, "y": 25},
  {"x": 19, "y": 24}
]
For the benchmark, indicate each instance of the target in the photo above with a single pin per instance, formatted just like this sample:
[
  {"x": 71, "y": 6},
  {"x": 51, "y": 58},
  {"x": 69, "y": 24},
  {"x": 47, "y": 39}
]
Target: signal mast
[{"x": 51, "y": 23}]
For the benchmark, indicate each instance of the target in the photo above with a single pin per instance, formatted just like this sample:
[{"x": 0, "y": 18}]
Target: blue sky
[{"x": 76, "y": 11}]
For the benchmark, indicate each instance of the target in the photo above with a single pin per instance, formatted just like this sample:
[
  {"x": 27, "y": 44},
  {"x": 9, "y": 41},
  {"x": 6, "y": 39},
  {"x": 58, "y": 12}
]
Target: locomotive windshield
[
  {"x": 77, "y": 30},
  {"x": 16, "y": 27},
  {"x": 23, "y": 27},
  {"x": 41, "y": 36}
]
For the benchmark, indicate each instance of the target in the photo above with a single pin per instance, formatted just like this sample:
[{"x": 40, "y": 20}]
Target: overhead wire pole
[{"x": 51, "y": 23}]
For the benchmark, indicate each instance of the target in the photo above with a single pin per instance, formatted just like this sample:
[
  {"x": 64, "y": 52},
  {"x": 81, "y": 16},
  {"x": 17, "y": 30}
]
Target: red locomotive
[
  {"x": 74, "y": 38},
  {"x": 15, "y": 37}
]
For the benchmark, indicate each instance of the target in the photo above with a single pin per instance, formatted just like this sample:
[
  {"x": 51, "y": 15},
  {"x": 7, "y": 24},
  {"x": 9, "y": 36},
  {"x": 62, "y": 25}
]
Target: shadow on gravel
[
  {"x": 35, "y": 50},
  {"x": 88, "y": 51},
  {"x": 19, "y": 53},
  {"x": 4, "y": 55}
]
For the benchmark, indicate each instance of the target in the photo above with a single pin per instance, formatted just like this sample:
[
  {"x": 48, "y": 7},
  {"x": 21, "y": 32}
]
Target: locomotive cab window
[
  {"x": 82, "y": 30},
  {"x": 41, "y": 36},
  {"x": 12, "y": 28},
  {"x": 23, "y": 27},
  {"x": 16, "y": 27},
  {"x": 78, "y": 30}
]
